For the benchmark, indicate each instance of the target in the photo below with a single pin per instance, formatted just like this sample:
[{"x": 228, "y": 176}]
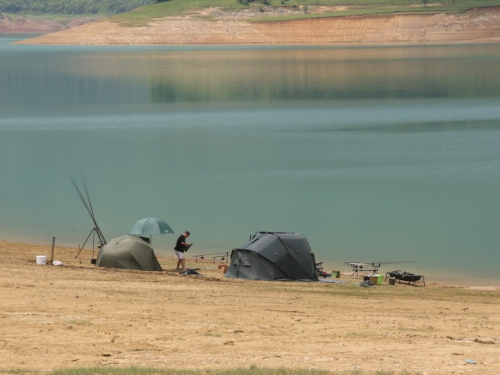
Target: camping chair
[
  {"x": 320, "y": 272},
  {"x": 319, "y": 267},
  {"x": 410, "y": 278}
]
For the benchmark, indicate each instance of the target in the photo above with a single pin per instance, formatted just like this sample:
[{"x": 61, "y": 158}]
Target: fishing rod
[
  {"x": 97, "y": 229},
  {"x": 88, "y": 205},
  {"x": 358, "y": 267},
  {"x": 223, "y": 255}
]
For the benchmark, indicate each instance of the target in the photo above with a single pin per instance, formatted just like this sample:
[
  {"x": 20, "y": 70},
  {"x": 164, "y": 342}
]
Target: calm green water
[{"x": 375, "y": 154}]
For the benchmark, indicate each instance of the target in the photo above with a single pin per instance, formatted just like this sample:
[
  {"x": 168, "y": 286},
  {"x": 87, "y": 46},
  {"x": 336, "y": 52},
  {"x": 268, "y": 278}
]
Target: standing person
[{"x": 180, "y": 247}]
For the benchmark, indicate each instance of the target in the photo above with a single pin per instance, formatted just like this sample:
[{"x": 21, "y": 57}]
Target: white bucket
[{"x": 41, "y": 259}]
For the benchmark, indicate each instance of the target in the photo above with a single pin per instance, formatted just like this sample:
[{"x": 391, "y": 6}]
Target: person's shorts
[{"x": 180, "y": 254}]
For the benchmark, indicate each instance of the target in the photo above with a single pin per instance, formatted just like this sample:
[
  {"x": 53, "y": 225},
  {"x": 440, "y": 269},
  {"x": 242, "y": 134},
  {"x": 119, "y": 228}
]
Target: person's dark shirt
[{"x": 179, "y": 246}]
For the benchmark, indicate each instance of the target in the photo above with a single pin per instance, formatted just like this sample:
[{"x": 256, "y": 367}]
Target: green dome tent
[
  {"x": 128, "y": 252},
  {"x": 273, "y": 256}
]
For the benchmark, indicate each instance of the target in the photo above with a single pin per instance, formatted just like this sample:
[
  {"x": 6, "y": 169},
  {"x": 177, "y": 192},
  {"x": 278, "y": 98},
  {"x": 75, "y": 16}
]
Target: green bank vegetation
[
  {"x": 141, "y": 12},
  {"x": 303, "y": 8},
  {"x": 380, "y": 10},
  {"x": 142, "y": 16},
  {"x": 80, "y": 7},
  {"x": 378, "y": 7},
  {"x": 253, "y": 370}
]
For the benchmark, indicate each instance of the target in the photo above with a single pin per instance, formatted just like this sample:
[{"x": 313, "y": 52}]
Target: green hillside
[
  {"x": 70, "y": 7},
  {"x": 303, "y": 8},
  {"x": 140, "y": 12}
]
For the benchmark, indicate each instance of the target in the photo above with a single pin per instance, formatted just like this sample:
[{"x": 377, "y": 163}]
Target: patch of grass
[
  {"x": 142, "y": 16},
  {"x": 253, "y": 370},
  {"x": 384, "y": 8},
  {"x": 80, "y": 322},
  {"x": 417, "y": 5},
  {"x": 124, "y": 293},
  {"x": 121, "y": 371}
]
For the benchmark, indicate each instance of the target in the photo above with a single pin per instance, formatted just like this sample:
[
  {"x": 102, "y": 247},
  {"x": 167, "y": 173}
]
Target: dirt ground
[
  {"x": 213, "y": 26},
  {"x": 78, "y": 315}
]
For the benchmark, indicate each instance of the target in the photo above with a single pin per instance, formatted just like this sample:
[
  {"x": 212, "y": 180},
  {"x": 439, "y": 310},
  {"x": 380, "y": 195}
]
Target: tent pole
[
  {"x": 52, "y": 253},
  {"x": 93, "y": 244}
]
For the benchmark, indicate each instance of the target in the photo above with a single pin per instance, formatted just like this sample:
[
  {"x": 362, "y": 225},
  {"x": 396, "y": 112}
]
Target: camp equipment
[
  {"x": 273, "y": 256},
  {"x": 191, "y": 272},
  {"x": 377, "y": 279},
  {"x": 187, "y": 247},
  {"x": 358, "y": 267},
  {"x": 366, "y": 284},
  {"x": 406, "y": 276},
  {"x": 150, "y": 225},
  {"x": 369, "y": 267},
  {"x": 320, "y": 272},
  {"x": 41, "y": 260},
  {"x": 129, "y": 252},
  {"x": 336, "y": 274}
]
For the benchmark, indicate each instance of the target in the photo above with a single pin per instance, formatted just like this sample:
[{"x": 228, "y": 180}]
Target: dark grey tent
[
  {"x": 128, "y": 252},
  {"x": 273, "y": 256}
]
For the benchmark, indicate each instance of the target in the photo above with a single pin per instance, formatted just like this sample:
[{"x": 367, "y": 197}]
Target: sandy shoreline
[
  {"x": 226, "y": 28},
  {"x": 485, "y": 287},
  {"x": 80, "y": 316}
]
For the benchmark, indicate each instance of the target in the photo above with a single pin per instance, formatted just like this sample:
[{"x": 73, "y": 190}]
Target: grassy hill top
[
  {"x": 142, "y": 12},
  {"x": 70, "y": 7},
  {"x": 274, "y": 10}
]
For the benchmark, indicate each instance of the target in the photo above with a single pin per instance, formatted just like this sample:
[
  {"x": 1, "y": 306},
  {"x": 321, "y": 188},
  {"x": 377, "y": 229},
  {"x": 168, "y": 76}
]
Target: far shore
[
  {"x": 230, "y": 28},
  {"x": 485, "y": 287}
]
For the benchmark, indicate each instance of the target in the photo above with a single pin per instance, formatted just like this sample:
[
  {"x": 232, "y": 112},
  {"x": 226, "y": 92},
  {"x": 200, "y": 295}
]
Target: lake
[{"x": 376, "y": 154}]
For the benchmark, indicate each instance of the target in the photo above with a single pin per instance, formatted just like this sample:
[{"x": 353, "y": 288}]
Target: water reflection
[
  {"x": 420, "y": 127},
  {"x": 97, "y": 77},
  {"x": 323, "y": 75}
]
